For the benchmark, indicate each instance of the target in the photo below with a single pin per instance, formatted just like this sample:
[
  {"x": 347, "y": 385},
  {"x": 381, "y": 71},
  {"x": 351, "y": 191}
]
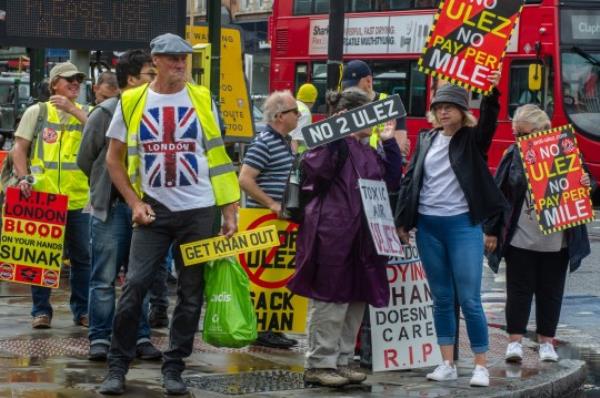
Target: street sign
[
  {"x": 357, "y": 119},
  {"x": 234, "y": 96},
  {"x": 89, "y": 24}
]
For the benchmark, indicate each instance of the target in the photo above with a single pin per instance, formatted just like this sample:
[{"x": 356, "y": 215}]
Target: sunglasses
[
  {"x": 71, "y": 79},
  {"x": 151, "y": 75},
  {"x": 295, "y": 110}
]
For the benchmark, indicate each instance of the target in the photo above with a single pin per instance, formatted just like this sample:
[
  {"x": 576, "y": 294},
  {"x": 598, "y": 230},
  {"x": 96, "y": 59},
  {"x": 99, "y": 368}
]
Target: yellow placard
[
  {"x": 277, "y": 308},
  {"x": 210, "y": 249},
  {"x": 234, "y": 97},
  {"x": 34, "y": 243}
]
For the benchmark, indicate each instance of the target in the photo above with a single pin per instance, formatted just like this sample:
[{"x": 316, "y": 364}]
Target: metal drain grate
[{"x": 249, "y": 382}]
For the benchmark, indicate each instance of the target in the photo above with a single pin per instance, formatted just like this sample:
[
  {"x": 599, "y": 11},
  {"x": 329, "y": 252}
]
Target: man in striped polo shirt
[{"x": 265, "y": 170}]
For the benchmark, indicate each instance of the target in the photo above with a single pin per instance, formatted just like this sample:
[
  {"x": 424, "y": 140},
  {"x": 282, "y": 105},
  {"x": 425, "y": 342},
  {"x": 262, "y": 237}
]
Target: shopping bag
[{"x": 229, "y": 320}]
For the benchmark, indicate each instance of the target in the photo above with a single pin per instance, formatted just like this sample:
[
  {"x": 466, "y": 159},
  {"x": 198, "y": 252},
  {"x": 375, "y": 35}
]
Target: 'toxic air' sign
[
  {"x": 366, "y": 116},
  {"x": 89, "y": 24}
]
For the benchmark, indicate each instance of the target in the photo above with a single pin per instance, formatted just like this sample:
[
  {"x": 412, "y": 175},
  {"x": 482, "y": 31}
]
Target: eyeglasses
[
  {"x": 151, "y": 75},
  {"x": 71, "y": 79},
  {"x": 295, "y": 110},
  {"x": 523, "y": 133}
]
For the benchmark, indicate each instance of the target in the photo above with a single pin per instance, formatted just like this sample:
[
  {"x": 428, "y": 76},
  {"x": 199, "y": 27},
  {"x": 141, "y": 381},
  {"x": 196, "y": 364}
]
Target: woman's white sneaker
[
  {"x": 547, "y": 353},
  {"x": 481, "y": 377},
  {"x": 514, "y": 352},
  {"x": 443, "y": 372}
]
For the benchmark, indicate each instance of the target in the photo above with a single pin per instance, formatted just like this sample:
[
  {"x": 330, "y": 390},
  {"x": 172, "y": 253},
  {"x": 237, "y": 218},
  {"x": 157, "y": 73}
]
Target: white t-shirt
[
  {"x": 441, "y": 195},
  {"x": 174, "y": 168},
  {"x": 304, "y": 120}
]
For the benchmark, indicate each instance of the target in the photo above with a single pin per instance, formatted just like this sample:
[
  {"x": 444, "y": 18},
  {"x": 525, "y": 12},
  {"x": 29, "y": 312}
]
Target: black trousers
[
  {"x": 530, "y": 273},
  {"x": 149, "y": 246}
]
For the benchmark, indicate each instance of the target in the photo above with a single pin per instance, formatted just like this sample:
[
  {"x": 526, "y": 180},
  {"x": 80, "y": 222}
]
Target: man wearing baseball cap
[
  {"x": 167, "y": 159},
  {"x": 305, "y": 99},
  {"x": 48, "y": 139},
  {"x": 357, "y": 73}
]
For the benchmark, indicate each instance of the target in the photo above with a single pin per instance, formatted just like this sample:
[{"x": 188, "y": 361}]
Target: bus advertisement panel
[{"x": 562, "y": 38}]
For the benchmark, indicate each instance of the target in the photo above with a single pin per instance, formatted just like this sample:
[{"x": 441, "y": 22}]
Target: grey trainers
[
  {"x": 147, "y": 351},
  {"x": 173, "y": 383},
  {"x": 98, "y": 352},
  {"x": 353, "y": 375},
  {"x": 113, "y": 384},
  {"x": 325, "y": 377}
]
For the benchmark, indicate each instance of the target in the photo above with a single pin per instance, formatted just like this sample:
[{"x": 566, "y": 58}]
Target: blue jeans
[
  {"x": 451, "y": 250},
  {"x": 77, "y": 243},
  {"x": 110, "y": 247}
]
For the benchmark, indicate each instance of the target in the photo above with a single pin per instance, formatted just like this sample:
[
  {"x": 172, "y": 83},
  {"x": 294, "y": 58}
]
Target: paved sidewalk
[{"x": 52, "y": 363}]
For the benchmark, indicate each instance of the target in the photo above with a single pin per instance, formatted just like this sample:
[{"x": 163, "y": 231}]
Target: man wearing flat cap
[
  {"x": 167, "y": 159},
  {"x": 48, "y": 139}
]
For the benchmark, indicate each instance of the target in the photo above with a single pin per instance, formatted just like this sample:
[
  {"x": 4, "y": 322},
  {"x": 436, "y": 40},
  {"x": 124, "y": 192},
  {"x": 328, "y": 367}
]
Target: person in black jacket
[
  {"x": 447, "y": 193},
  {"x": 535, "y": 263}
]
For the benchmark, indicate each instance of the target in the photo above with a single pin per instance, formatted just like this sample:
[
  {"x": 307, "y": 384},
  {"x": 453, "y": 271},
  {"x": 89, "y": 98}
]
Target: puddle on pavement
[
  {"x": 514, "y": 371},
  {"x": 591, "y": 388}
]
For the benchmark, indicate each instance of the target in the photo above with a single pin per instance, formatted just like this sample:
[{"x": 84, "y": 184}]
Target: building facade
[{"x": 252, "y": 17}]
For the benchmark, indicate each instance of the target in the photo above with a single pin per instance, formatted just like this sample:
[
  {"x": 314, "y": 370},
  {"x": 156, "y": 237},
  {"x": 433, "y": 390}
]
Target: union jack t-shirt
[{"x": 174, "y": 168}]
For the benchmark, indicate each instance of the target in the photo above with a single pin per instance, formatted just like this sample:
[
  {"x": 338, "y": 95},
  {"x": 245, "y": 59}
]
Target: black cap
[
  {"x": 353, "y": 72},
  {"x": 451, "y": 94}
]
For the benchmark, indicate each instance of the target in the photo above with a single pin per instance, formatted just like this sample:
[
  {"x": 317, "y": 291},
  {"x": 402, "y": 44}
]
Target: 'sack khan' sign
[
  {"x": 33, "y": 233},
  {"x": 469, "y": 40},
  {"x": 269, "y": 270},
  {"x": 553, "y": 166}
]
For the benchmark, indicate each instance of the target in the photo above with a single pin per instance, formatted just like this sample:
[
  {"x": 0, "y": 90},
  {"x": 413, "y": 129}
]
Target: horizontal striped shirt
[{"x": 269, "y": 153}]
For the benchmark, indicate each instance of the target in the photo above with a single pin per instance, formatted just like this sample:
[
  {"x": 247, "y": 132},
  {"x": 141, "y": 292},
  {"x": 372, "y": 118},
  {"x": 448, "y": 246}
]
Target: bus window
[
  {"x": 361, "y": 5},
  {"x": 302, "y": 7},
  {"x": 301, "y": 75},
  {"x": 581, "y": 89},
  {"x": 519, "y": 90},
  {"x": 321, "y": 6},
  {"x": 319, "y": 79},
  {"x": 402, "y": 78},
  {"x": 418, "y": 91}
]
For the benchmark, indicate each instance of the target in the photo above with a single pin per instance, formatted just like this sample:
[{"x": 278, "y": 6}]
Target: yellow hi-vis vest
[
  {"x": 220, "y": 169},
  {"x": 376, "y": 130},
  {"x": 54, "y": 159},
  {"x": 305, "y": 111}
]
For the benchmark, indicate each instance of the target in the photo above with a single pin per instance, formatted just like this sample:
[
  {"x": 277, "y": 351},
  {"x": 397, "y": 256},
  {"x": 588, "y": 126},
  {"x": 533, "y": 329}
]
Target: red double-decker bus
[{"x": 563, "y": 36}]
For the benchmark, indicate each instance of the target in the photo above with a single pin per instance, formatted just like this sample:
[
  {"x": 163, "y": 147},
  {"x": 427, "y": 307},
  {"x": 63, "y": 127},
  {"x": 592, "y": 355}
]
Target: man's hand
[
  {"x": 585, "y": 180},
  {"x": 229, "y": 226},
  {"x": 403, "y": 235},
  {"x": 490, "y": 243},
  {"x": 142, "y": 213},
  {"x": 275, "y": 207},
  {"x": 25, "y": 187},
  {"x": 63, "y": 103},
  {"x": 494, "y": 77},
  {"x": 388, "y": 130}
]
